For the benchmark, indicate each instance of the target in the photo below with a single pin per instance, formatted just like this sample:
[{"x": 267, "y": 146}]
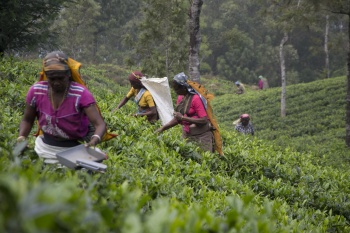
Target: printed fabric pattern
[
  {"x": 69, "y": 120},
  {"x": 249, "y": 129}
]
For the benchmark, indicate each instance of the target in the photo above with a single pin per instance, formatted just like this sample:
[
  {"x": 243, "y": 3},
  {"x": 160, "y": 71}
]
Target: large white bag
[{"x": 160, "y": 91}]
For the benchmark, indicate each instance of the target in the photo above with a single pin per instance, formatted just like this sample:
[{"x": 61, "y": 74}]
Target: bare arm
[
  {"x": 96, "y": 120},
  {"x": 197, "y": 121},
  {"x": 122, "y": 103},
  {"x": 151, "y": 111},
  {"x": 169, "y": 125},
  {"x": 27, "y": 121},
  {"x": 178, "y": 117}
]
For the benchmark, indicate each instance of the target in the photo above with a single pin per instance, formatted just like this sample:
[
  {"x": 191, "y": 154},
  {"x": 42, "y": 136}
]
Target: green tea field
[{"x": 290, "y": 177}]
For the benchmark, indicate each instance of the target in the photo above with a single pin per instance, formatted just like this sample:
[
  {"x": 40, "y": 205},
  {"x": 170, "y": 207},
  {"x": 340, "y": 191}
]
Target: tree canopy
[
  {"x": 24, "y": 24},
  {"x": 239, "y": 39}
]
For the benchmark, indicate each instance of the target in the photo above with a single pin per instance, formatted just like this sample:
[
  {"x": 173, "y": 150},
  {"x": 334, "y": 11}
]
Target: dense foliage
[
  {"x": 25, "y": 24},
  {"x": 159, "y": 183},
  {"x": 240, "y": 38}
]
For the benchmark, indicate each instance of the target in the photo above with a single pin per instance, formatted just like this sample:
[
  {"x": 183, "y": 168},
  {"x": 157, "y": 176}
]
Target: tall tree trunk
[
  {"x": 2, "y": 44},
  {"x": 326, "y": 46},
  {"x": 195, "y": 40},
  {"x": 347, "y": 138},
  {"x": 283, "y": 75}
]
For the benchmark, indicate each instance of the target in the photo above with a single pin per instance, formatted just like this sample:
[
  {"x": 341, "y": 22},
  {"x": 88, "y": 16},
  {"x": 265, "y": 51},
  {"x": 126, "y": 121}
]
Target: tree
[
  {"x": 241, "y": 46},
  {"x": 285, "y": 22},
  {"x": 24, "y": 24},
  {"x": 341, "y": 7},
  {"x": 195, "y": 39},
  {"x": 76, "y": 27},
  {"x": 167, "y": 33},
  {"x": 283, "y": 75},
  {"x": 112, "y": 24},
  {"x": 159, "y": 39},
  {"x": 326, "y": 50}
]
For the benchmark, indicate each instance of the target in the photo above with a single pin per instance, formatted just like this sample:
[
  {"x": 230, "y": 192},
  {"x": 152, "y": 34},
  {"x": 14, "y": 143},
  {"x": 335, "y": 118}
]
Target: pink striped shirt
[
  {"x": 69, "y": 120},
  {"x": 196, "y": 110}
]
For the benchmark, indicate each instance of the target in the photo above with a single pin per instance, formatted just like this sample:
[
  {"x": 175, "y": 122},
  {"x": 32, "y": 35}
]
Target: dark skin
[
  {"x": 58, "y": 86},
  {"x": 150, "y": 111},
  {"x": 178, "y": 117},
  {"x": 245, "y": 121}
]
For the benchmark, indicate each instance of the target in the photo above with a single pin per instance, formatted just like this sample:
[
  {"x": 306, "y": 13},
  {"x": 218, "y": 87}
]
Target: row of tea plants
[
  {"x": 159, "y": 183},
  {"x": 315, "y": 121}
]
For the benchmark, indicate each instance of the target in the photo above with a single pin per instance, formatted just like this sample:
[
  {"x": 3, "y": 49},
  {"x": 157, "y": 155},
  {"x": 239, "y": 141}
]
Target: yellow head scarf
[{"x": 59, "y": 61}]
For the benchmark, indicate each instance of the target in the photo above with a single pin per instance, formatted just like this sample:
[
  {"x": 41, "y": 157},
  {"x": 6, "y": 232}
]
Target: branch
[{"x": 343, "y": 12}]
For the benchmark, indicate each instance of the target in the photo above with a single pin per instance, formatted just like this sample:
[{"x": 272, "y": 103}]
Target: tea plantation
[
  {"x": 315, "y": 121},
  {"x": 285, "y": 179}
]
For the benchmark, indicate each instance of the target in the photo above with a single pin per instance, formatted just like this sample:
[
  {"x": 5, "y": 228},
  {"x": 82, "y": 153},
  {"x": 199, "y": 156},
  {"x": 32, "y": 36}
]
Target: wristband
[{"x": 95, "y": 135}]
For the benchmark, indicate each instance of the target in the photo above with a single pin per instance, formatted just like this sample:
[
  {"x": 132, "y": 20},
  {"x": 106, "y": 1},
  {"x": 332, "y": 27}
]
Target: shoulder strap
[
  {"x": 140, "y": 94},
  {"x": 188, "y": 104},
  {"x": 184, "y": 106}
]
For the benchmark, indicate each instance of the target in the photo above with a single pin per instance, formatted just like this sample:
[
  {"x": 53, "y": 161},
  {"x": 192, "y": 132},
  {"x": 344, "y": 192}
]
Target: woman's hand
[
  {"x": 159, "y": 130},
  {"x": 178, "y": 116},
  {"x": 95, "y": 139},
  {"x": 169, "y": 125}
]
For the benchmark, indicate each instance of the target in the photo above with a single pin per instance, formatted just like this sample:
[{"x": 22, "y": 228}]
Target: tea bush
[
  {"x": 315, "y": 121},
  {"x": 159, "y": 183}
]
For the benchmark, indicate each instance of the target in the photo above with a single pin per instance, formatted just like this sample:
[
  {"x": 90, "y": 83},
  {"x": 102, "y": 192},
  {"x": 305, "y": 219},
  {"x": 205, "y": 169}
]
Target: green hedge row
[{"x": 160, "y": 183}]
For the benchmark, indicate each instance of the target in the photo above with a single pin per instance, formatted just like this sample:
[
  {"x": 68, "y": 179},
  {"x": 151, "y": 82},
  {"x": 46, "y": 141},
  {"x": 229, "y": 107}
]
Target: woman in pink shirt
[
  {"x": 64, "y": 109},
  {"x": 191, "y": 113}
]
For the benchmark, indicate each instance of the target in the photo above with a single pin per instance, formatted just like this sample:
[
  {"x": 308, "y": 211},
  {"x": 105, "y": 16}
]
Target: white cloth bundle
[{"x": 160, "y": 91}]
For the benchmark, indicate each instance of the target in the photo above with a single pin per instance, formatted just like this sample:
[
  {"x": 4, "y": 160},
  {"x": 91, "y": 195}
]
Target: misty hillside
[{"x": 315, "y": 120}]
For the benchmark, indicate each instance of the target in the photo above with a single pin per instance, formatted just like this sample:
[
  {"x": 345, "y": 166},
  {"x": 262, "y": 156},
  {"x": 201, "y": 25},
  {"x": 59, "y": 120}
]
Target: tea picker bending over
[
  {"x": 244, "y": 126},
  {"x": 63, "y": 107},
  {"x": 142, "y": 97},
  {"x": 190, "y": 112},
  {"x": 240, "y": 88}
]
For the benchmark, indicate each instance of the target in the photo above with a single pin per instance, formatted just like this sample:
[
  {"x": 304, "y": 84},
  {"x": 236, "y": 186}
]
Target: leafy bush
[{"x": 159, "y": 183}]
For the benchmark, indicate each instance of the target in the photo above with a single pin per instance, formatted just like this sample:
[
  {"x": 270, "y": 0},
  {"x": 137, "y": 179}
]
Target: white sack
[{"x": 160, "y": 91}]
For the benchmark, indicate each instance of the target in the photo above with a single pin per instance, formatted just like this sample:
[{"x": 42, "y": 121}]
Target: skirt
[
  {"x": 47, "y": 152},
  {"x": 205, "y": 140}
]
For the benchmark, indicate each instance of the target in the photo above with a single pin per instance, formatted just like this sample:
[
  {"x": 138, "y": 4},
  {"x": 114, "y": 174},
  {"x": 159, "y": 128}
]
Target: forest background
[
  {"x": 262, "y": 186},
  {"x": 240, "y": 39}
]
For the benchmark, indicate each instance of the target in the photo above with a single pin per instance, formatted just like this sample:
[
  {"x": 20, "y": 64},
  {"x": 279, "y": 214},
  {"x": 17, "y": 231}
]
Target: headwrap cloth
[
  {"x": 135, "y": 76},
  {"x": 58, "y": 61},
  {"x": 195, "y": 88},
  {"x": 245, "y": 115},
  {"x": 182, "y": 80}
]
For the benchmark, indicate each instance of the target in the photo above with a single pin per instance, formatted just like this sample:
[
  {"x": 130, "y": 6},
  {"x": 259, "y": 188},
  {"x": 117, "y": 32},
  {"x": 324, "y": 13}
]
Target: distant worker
[
  {"x": 244, "y": 126},
  {"x": 190, "y": 112},
  {"x": 142, "y": 97},
  {"x": 263, "y": 83},
  {"x": 240, "y": 88}
]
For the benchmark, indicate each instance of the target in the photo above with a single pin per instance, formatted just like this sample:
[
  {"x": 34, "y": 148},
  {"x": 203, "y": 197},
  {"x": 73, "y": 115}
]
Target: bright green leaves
[{"x": 160, "y": 183}]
